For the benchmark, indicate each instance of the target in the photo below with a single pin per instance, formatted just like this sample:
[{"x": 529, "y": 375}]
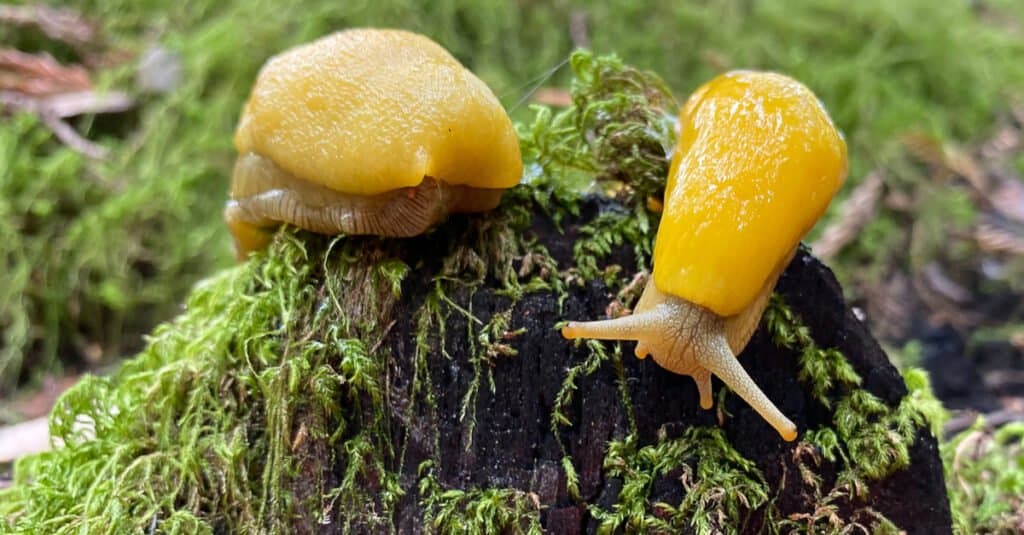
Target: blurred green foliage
[
  {"x": 97, "y": 252},
  {"x": 985, "y": 478},
  {"x": 197, "y": 433}
]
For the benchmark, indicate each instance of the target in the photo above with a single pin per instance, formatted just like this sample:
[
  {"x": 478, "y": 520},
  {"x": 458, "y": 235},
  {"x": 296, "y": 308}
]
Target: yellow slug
[
  {"x": 757, "y": 163},
  {"x": 367, "y": 131}
]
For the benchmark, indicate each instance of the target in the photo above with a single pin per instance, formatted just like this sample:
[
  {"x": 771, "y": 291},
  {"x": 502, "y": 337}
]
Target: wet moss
[
  {"x": 722, "y": 489},
  {"x": 877, "y": 437}
]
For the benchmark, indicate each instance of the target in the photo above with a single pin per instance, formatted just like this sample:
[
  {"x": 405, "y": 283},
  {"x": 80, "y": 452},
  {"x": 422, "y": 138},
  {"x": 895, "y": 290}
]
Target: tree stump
[
  {"x": 504, "y": 437},
  {"x": 363, "y": 385}
]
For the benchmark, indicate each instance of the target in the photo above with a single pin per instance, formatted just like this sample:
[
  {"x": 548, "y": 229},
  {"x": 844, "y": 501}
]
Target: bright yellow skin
[
  {"x": 357, "y": 123},
  {"x": 757, "y": 163}
]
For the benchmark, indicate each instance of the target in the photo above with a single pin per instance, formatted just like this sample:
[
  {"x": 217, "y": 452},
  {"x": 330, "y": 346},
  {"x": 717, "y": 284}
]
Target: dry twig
[
  {"x": 88, "y": 102},
  {"x": 578, "y": 30},
  {"x": 993, "y": 420},
  {"x": 59, "y": 24},
  {"x": 553, "y": 96},
  {"x": 61, "y": 129},
  {"x": 39, "y": 74},
  {"x": 38, "y": 84}
]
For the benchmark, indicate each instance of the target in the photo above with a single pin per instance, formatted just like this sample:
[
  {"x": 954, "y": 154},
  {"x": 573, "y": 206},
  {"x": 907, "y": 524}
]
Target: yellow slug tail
[
  {"x": 247, "y": 237},
  {"x": 719, "y": 360}
]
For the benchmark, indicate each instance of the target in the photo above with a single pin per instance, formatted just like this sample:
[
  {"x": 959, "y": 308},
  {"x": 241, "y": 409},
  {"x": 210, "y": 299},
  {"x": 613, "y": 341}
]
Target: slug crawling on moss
[
  {"x": 367, "y": 131},
  {"x": 757, "y": 163}
]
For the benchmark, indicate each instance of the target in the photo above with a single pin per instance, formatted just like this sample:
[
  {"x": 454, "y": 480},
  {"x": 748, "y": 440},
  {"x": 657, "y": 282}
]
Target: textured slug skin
[
  {"x": 757, "y": 162},
  {"x": 366, "y": 111}
]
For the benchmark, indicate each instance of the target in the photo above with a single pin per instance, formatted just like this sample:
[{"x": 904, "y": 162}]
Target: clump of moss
[
  {"x": 618, "y": 129},
  {"x": 721, "y": 488},
  {"x": 489, "y": 510},
  {"x": 617, "y": 135},
  {"x": 873, "y": 438},
  {"x": 226, "y": 420}
]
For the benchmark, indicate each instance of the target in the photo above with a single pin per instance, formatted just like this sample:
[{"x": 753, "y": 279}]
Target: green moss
[
  {"x": 224, "y": 421},
  {"x": 598, "y": 355},
  {"x": 607, "y": 232},
  {"x": 985, "y": 478},
  {"x": 619, "y": 127},
  {"x": 838, "y": 509},
  {"x": 485, "y": 346},
  {"x": 721, "y": 487},
  {"x": 875, "y": 438},
  {"x": 488, "y": 510},
  {"x": 615, "y": 136}
]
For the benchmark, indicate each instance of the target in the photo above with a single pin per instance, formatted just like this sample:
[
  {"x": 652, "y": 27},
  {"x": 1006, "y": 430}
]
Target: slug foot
[{"x": 263, "y": 196}]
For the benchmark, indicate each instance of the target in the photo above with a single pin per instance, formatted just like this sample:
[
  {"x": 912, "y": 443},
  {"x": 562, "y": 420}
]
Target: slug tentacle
[
  {"x": 703, "y": 380},
  {"x": 633, "y": 327},
  {"x": 720, "y": 361}
]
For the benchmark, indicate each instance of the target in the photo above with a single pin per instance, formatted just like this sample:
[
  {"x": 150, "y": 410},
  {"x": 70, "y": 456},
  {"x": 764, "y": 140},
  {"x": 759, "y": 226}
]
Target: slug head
[{"x": 688, "y": 339}]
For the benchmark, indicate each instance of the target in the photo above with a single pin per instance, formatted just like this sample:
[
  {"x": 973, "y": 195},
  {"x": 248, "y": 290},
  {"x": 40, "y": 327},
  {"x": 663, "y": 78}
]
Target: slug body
[
  {"x": 757, "y": 163},
  {"x": 367, "y": 131}
]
